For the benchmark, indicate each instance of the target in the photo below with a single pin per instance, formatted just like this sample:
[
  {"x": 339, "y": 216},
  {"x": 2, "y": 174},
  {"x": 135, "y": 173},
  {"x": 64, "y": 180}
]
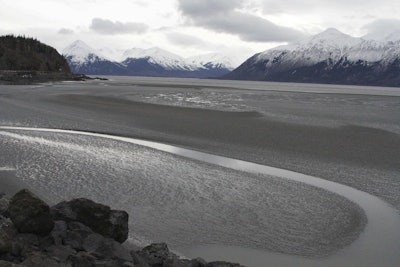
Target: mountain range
[
  {"x": 145, "y": 62},
  {"x": 328, "y": 57}
]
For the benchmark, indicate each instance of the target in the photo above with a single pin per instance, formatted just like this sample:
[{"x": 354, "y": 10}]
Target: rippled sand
[{"x": 182, "y": 201}]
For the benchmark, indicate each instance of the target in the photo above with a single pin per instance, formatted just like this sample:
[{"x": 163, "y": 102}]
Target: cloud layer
[
  {"x": 325, "y": 6},
  {"x": 108, "y": 27},
  {"x": 383, "y": 29},
  {"x": 185, "y": 39},
  {"x": 223, "y": 16},
  {"x": 65, "y": 31},
  {"x": 187, "y": 27}
]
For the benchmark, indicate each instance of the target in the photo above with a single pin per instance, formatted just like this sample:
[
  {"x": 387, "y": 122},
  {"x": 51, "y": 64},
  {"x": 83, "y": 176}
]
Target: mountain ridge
[
  {"x": 144, "y": 62},
  {"x": 328, "y": 57},
  {"x": 85, "y": 60}
]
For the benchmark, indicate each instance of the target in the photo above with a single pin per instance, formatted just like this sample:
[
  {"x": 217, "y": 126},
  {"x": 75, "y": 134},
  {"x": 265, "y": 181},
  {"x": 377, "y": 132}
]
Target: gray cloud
[
  {"x": 199, "y": 8},
  {"x": 290, "y": 6},
  {"x": 65, "y": 31},
  {"x": 251, "y": 28},
  {"x": 108, "y": 27},
  {"x": 383, "y": 25},
  {"x": 383, "y": 29},
  {"x": 369, "y": 17},
  {"x": 222, "y": 16},
  {"x": 184, "y": 39},
  {"x": 308, "y": 6}
]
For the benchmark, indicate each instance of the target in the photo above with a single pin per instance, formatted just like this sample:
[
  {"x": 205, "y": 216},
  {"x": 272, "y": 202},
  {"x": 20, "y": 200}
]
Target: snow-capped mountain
[
  {"x": 157, "y": 62},
  {"x": 328, "y": 57},
  {"x": 212, "y": 61},
  {"x": 161, "y": 57},
  {"x": 79, "y": 52},
  {"x": 384, "y": 35},
  {"x": 144, "y": 62},
  {"x": 86, "y": 60}
]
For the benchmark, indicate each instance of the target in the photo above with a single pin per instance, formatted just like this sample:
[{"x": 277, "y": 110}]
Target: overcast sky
[{"x": 187, "y": 27}]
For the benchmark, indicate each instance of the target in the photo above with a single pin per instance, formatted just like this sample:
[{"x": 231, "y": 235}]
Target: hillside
[
  {"x": 28, "y": 54},
  {"x": 26, "y": 60},
  {"x": 328, "y": 57}
]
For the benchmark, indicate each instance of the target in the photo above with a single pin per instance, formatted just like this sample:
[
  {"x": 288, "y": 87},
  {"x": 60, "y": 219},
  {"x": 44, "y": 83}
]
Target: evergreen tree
[{"x": 28, "y": 54}]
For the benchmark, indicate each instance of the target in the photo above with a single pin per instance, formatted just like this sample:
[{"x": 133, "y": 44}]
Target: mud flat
[
  {"x": 371, "y": 248},
  {"x": 349, "y": 136}
]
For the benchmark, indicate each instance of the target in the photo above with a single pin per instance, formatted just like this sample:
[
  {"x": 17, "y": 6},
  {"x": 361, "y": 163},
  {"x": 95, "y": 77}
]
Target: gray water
[
  {"x": 378, "y": 245},
  {"x": 262, "y": 86}
]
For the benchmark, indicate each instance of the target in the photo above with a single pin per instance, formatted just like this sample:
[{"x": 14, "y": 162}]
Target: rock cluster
[{"x": 78, "y": 233}]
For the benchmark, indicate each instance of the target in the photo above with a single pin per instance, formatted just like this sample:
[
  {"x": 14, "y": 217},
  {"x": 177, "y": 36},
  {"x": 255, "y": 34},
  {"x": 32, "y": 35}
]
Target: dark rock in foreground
[
  {"x": 100, "y": 218},
  {"x": 70, "y": 236},
  {"x": 30, "y": 214}
]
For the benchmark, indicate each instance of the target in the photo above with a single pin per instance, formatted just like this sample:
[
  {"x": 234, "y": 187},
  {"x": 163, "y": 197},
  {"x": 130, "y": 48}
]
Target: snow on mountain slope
[
  {"x": 212, "y": 60},
  {"x": 158, "y": 56},
  {"x": 330, "y": 46},
  {"x": 111, "y": 53},
  {"x": 86, "y": 60},
  {"x": 387, "y": 35},
  {"x": 144, "y": 62},
  {"x": 328, "y": 57},
  {"x": 80, "y": 52}
]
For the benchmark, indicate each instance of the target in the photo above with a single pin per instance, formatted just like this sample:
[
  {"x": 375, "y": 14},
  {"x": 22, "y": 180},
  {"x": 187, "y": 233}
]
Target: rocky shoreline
[{"x": 76, "y": 233}]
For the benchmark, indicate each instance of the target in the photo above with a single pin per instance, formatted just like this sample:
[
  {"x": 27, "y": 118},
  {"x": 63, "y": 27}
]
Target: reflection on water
[{"x": 377, "y": 245}]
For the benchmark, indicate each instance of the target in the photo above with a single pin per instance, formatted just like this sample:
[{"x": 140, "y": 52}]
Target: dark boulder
[
  {"x": 223, "y": 264},
  {"x": 25, "y": 244},
  {"x": 186, "y": 263},
  {"x": 7, "y": 233},
  {"x": 107, "y": 263},
  {"x": 4, "y": 202},
  {"x": 138, "y": 260},
  {"x": 38, "y": 259},
  {"x": 82, "y": 259},
  {"x": 59, "y": 232},
  {"x": 30, "y": 214},
  {"x": 9, "y": 264},
  {"x": 76, "y": 234},
  {"x": 59, "y": 252},
  {"x": 83, "y": 233},
  {"x": 158, "y": 255},
  {"x": 198, "y": 262},
  {"x": 106, "y": 248},
  {"x": 100, "y": 218},
  {"x": 5, "y": 242}
]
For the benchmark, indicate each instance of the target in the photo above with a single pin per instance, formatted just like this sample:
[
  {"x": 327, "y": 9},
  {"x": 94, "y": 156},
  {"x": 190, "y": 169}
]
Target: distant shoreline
[{"x": 21, "y": 77}]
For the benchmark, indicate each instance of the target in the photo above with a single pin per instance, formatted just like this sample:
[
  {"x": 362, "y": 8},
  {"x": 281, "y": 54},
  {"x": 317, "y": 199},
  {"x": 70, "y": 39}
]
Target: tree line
[{"x": 28, "y": 54}]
